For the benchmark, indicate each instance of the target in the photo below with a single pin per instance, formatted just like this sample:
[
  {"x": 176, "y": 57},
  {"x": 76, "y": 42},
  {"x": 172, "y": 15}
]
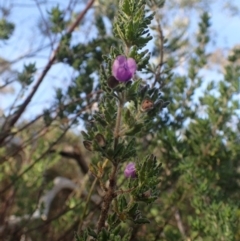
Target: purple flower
[
  {"x": 123, "y": 69},
  {"x": 130, "y": 170}
]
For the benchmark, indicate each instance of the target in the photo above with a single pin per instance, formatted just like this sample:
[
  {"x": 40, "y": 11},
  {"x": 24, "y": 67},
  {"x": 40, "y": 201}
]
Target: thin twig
[
  {"x": 86, "y": 205},
  {"x": 118, "y": 122},
  {"x": 46, "y": 24},
  {"x": 159, "y": 68},
  {"x": 107, "y": 200},
  {"x": 7, "y": 83},
  {"x": 179, "y": 222}
]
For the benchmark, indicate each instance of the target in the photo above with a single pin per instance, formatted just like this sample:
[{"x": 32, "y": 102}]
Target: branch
[
  {"x": 179, "y": 223},
  {"x": 7, "y": 83},
  {"x": 11, "y": 122},
  {"x": 74, "y": 153},
  {"x": 60, "y": 183},
  {"x": 107, "y": 200},
  {"x": 110, "y": 194}
]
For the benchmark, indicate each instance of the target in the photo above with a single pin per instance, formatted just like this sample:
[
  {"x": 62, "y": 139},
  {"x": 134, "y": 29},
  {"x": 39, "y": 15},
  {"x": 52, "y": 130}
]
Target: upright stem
[
  {"x": 86, "y": 205},
  {"x": 110, "y": 194},
  {"x": 118, "y": 122},
  {"x": 107, "y": 199}
]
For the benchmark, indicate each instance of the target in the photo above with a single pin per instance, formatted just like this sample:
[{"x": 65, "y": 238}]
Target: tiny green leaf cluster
[
  {"x": 131, "y": 23},
  {"x": 27, "y": 76},
  {"x": 6, "y": 29},
  {"x": 56, "y": 17}
]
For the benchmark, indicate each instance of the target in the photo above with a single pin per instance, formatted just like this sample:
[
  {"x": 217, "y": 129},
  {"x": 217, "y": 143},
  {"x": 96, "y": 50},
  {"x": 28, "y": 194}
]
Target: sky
[
  {"x": 27, "y": 38},
  {"x": 224, "y": 31}
]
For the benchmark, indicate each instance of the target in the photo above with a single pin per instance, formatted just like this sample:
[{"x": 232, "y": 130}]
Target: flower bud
[
  {"x": 130, "y": 170},
  {"x": 112, "y": 82},
  {"x": 123, "y": 69},
  {"x": 88, "y": 145},
  {"x": 146, "y": 105},
  {"x": 100, "y": 140}
]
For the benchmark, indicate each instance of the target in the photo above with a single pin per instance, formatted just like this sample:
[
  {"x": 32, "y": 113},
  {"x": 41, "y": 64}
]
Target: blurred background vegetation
[{"x": 50, "y": 56}]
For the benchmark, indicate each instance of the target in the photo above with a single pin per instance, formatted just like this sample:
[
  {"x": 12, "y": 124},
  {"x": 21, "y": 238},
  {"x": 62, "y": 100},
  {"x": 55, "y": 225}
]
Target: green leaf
[
  {"x": 122, "y": 202},
  {"x": 85, "y": 135},
  {"x": 133, "y": 209},
  {"x": 103, "y": 235},
  {"x": 116, "y": 230},
  {"x": 134, "y": 130},
  {"x": 77, "y": 237},
  {"x": 141, "y": 221},
  {"x": 119, "y": 150},
  {"x": 91, "y": 232},
  {"x": 126, "y": 8},
  {"x": 127, "y": 236}
]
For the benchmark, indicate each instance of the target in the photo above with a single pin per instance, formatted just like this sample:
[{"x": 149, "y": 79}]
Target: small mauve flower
[
  {"x": 130, "y": 170},
  {"x": 123, "y": 69}
]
